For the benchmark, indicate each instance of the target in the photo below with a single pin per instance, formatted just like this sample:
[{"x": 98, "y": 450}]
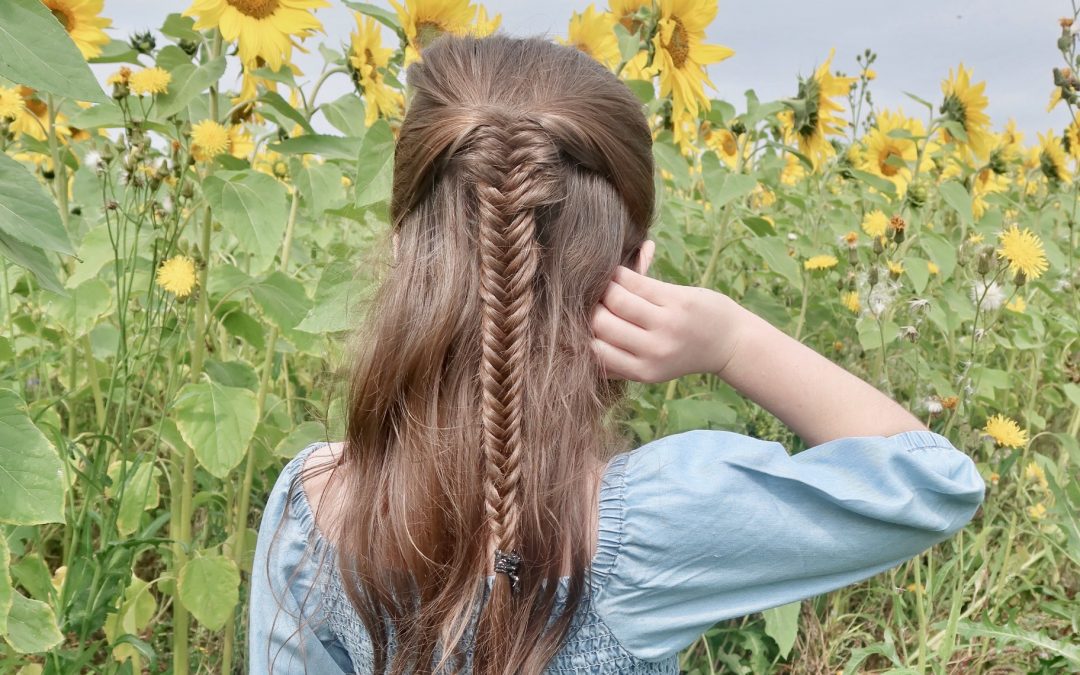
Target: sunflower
[
  {"x": 724, "y": 143},
  {"x": 965, "y": 104},
  {"x": 820, "y": 262},
  {"x": 177, "y": 276},
  {"x": 262, "y": 29},
  {"x": 874, "y": 223},
  {"x": 681, "y": 56},
  {"x": 209, "y": 139},
  {"x": 367, "y": 56},
  {"x": 813, "y": 114},
  {"x": 1052, "y": 158},
  {"x": 593, "y": 33},
  {"x": 890, "y": 149},
  {"x": 1006, "y": 432},
  {"x": 240, "y": 142},
  {"x": 485, "y": 26},
  {"x": 425, "y": 20},
  {"x": 1023, "y": 250},
  {"x": 11, "y": 103},
  {"x": 986, "y": 182},
  {"x": 81, "y": 21},
  {"x": 150, "y": 81},
  {"x": 624, "y": 12}
]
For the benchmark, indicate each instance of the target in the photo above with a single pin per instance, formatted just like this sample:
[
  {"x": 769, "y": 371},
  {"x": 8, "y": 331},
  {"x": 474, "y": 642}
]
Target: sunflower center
[
  {"x": 631, "y": 24},
  {"x": 731, "y": 148},
  {"x": 679, "y": 47},
  {"x": 256, "y": 9},
  {"x": 1050, "y": 167},
  {"x": 889, "y": 166},
  {"x": 63, "y": 16},
  {"x": 427, "y": 31}
]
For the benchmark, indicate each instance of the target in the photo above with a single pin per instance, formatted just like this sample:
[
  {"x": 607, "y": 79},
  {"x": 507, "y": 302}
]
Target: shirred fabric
[{"x": 693, "y": 528}]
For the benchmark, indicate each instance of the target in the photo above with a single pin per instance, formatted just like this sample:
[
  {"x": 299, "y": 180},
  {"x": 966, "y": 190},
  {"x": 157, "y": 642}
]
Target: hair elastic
[{"x": 508, "y": 564}]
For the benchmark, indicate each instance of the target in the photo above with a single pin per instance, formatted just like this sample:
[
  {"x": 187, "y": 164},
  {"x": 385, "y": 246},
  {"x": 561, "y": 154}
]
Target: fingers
[
  {"x": 651, "y": 289},
  {"x": 630, "y": 306},
  {"x": 616, "y": 331},
  {"x": 616, "y": 362}
]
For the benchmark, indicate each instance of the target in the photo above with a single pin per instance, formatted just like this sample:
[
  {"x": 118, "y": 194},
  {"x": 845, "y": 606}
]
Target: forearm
[{"x": 817, "y": 399}]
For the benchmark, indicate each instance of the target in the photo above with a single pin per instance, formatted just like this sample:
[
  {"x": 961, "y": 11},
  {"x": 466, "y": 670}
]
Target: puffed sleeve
[
  {"x": 287, "y": 633},
  {"x": 704, "y": 526}
]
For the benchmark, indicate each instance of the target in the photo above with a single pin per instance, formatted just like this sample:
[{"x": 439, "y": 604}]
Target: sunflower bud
[
  {"x": 985, "y": 261},
  {"x": 997, "y": 162},
  {"x": 189, "y": 47},
  {"x": 143, "y": 43},
  {"x": 916, "y": 194},
  {"x": 738, "y": 128}
]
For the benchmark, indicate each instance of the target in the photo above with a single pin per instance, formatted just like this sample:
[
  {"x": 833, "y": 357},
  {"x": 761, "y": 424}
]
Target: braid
[{"x": 518, "y": 175}]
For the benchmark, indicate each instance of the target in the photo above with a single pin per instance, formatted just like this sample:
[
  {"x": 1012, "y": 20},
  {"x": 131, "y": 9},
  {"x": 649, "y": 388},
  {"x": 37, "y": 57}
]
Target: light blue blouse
[{"x": 694, "y": 528}]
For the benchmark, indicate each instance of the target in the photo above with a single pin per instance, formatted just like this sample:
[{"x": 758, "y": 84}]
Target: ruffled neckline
[{"x": 611, "y": 512}]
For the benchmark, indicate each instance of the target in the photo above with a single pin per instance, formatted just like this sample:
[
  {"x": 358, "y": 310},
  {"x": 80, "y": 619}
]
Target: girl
[{"x": 482, "y": 514}]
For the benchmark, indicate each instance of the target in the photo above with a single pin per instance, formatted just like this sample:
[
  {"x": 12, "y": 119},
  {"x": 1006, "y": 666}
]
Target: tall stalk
[{"x": 184, "y": 478}]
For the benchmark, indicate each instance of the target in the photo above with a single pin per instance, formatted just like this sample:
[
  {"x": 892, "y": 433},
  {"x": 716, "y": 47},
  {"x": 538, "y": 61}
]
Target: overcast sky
[{"x": 1008, "y": 43}]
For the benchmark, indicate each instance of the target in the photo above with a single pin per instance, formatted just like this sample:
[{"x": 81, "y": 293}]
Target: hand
[{"x": 652, "y": 331}]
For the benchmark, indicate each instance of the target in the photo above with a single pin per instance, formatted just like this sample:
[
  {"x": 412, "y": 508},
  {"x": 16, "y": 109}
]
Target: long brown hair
[{"x": 477, "y": 412}]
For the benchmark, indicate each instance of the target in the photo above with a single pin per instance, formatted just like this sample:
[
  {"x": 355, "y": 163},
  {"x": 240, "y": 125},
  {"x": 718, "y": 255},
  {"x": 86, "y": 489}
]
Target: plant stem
[{"x": 239, "y": 549}]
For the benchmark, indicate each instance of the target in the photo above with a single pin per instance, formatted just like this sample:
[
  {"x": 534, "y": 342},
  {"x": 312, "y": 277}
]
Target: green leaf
[
  {"x": 782, "y": 625},
  {"x": 669, "y": 159},
  {"x": 941, "y": 251},
  {"x": 35, "y": 50},
  {"x": 882, "y": 185},
  {"x": 188, "y": 81},
  {"x": 27, "y": 213},
  {"x": 31, "y": 475},
  {"x": 6, "y": 591},
  {"x": 116, "y": 51},
  {"x": 346, "y": 114},
  {"x": 281, "y": 299},
  {"x": 301, "y": 437},
  {"x": 734, "y": 186},
  {"x": 210, "y": 588},
  {"x": 921, "y": 101},
  {"x": 275, "y": 101},
  {"x": 956, "y": 196},
  {"x": 774, "y": 251},
  {"x": 78, "y": 311},
  {"x": 332, "y": 309},
  {"x": 915, "y": 268},
  {"x": 180, "y": 27},
  {"x": 31, "y": 626},
  {"x": 1016, "y": 635},
  {"x": 251, "y": 205},
  {"x": 375, "y": 168},
  {"x": 33, "y": 259},
  {"x": 138, "y": 493},
  {"x": 870, "y": 333},
  {"x": 217, "y": 422},
  {"x": 330, "y": 147},
  {"x": 629, "y": 44},
  {"x": 695, "y": 413},
  {"x": 321, "y": 188},
  {"x": 383, "y": 16}
]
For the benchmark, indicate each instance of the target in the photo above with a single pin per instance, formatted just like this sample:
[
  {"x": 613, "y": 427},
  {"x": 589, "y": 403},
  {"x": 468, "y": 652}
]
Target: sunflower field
[{"x": 182, "y": 244}]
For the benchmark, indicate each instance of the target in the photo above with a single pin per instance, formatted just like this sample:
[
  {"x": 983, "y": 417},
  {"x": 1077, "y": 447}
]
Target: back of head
[{"x": 523, "y": 176}]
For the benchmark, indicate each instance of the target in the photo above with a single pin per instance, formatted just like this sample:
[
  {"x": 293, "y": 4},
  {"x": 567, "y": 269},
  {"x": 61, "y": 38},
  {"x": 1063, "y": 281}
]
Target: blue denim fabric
[{"x": 694, "y": 528}]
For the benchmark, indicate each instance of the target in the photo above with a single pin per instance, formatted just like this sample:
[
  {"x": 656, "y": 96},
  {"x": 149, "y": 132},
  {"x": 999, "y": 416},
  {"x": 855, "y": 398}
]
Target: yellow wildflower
[
  {"x": 1006, "y": 432},
  {"x": 874, "y": 223},
  {"x": 209, "y": 139},
  {"x": 177, "y": 276},
  {"x": 150, "y": 81},
  {"x": 820, "y": 262},
  {"x": 850, "y": 299},
  {"x": 1024, "y": 251}
]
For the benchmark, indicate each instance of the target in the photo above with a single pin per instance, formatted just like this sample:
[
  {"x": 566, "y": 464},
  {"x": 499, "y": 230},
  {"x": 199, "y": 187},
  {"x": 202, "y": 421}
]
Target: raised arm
[{"x": 651, "y": 331}]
